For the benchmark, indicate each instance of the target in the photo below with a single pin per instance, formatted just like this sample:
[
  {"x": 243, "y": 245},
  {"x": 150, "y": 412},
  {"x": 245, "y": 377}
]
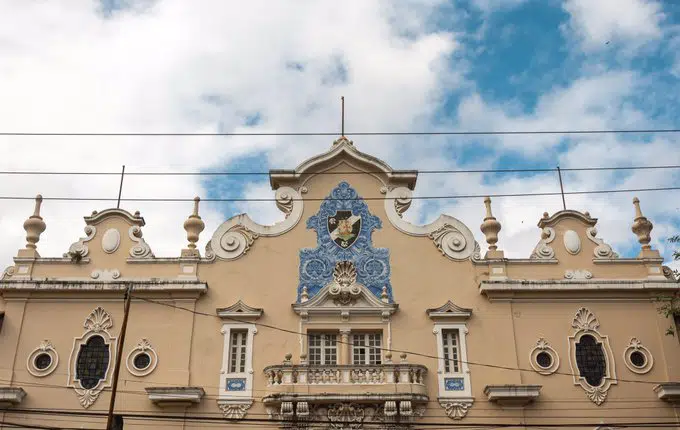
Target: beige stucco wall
[{"x": 190, "y": 346}]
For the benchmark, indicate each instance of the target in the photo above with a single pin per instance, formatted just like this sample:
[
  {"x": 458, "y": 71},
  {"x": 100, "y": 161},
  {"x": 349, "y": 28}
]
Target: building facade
[{"x": 342, "y": 316}]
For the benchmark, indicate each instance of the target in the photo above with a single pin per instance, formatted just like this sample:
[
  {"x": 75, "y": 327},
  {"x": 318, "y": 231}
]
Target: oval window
[
  {"x": 93, "y": 362},
  {"x": 591, "y": 361}
]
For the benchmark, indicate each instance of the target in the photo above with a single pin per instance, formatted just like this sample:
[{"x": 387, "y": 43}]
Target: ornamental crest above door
[{"x": 344, "y": 227}]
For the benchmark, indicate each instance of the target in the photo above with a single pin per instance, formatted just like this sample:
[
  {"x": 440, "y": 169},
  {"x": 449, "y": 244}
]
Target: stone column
[{"x": 344, "y": 347}]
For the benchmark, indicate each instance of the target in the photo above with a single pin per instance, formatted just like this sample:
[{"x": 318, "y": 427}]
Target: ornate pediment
[
  {"x": 240, "y": 310},
  {"x": 449, "y": 311},
  {"x": 345, "y": 297}
]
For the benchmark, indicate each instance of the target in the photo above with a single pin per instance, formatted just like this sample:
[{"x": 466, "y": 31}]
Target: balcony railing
[{"x": 393, "y": 373}]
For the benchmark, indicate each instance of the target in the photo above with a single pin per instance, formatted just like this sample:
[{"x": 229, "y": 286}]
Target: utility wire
[
  {"x": 257, "y": 173},
  {"x": 365, "y": 133},
  {"x": 418, "y": 354},
  {"x": 309, "y": 199}
]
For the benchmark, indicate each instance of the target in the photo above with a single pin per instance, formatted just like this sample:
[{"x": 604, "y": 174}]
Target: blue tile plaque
[
  {"x": 454, "y": 384},
  {"x": 236, "y": 384}
]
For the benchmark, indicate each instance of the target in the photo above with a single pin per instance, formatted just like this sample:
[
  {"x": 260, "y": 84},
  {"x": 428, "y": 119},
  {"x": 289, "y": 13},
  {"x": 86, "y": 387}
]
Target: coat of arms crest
[{"x": 344, "y": 228}]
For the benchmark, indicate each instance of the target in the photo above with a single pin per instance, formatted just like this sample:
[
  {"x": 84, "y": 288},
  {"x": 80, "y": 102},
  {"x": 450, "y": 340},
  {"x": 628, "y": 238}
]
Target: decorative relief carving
[
  {"x": 144, "y": 366},
  {"x": 572, "y": 242},
  {"x": 544, "y": 364},
  {"x": 456, "y": 409},
  {"x": 234, "y": 410},
  {"x": 141, "y": 249},
  {"x": 449, "y": 235},
  {"x": 43, "y": 360},
  {"x": 602, "y": 250},
  {"x": 344, "y": 416},
  {"x": 587, "y": 346},
  {"x": 637, "y": 358},
  {"x": 105, "y": 274},
  {"x": 110, "y": 240},
  {"x": 344, "y": 227},
  {"x": 236, "y": 242},
  {"x": 96, "y": 325},
  {"x": 344, "y": 289},
  {"x": 577, "y": 274},
  {"x": 79, "y": 250},
  {"x": 235, "y": 236},
  {"x": 543, "y": 251}
]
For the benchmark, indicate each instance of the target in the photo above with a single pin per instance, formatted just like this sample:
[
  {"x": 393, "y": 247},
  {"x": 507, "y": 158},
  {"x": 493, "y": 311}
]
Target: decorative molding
[
  {"x": 578, "y": 274},
  {"x": 98, "y": 217},
  {"x": 79, "y": 250},
  {"x": 143, "y": 347},
  {"x": 111, "y": 240},
  {"x": 453, "y": 238},
  {"x": 96, "y": 286},
  {"x": 344, "y": 288},
  {"x": 586, "y": 324},
  {"x": 234, "y": 237},
  {"x": 364, "y": 302},
  {"x": 175, "y": 396},
  {"x": 453, "y": 385},
  {"x": 456, "y": 409},
  {"x": 105, "y": 274},
  {"x": 343, "y": 152},
  {"x": 602, "y": 251},
  {"x": 572, "y": 242},
  {"x": 11, "y": 396},
  {"x": 141, "y": 249},
  {"x": 668, "y": 392},
  {"x": 512, "y": 395},
  {"x": 343, "y": 208},
  {"x": 635, "y": 346},
  {"x": 97, "y": 323},
  {"x": 45, "y": 347},
  {"x": 449, "y": 311},
  {"x": 542, "y": 346},
  {"x": 550, "y": 221},
  {"x": 241, "y": 311},
  {"x": 234, "y": 410},
  {"x": 543, "y": 251},
  {"x": 242, "y": 391}
]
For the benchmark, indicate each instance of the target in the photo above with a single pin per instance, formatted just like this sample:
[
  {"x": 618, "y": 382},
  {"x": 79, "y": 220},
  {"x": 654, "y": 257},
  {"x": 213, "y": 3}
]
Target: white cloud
[
  {"x": 492, "y": 5},
  {"x": 199, "y": 66},
  {"x": 633, "y": 22}
]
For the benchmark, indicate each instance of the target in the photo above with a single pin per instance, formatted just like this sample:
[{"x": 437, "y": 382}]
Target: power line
[
  {"x": 418, "y": 354},
  {"x": 262, "y": 173},
  {"x": 442, "y": 197},
  {"x": 364, "y": 133}
]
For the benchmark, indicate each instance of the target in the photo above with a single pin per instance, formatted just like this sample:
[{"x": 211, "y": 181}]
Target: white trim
[
  {"x": 144, "y": 346},
  {"x": 45, "y": 347},
  {"x": 636, "y": 346},
  {"x": 464, "y": 371},
  {"x": 97, "y": 324},
  {"x": 542, "y": 345},
  {"x": 247, "y": 376},
  {"x": 586, "y": 324}
]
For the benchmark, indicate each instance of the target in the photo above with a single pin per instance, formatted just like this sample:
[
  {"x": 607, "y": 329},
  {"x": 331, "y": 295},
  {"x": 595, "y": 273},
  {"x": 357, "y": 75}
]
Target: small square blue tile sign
[
  {"x": 236, "y": 384},
  {"x": 454, "y": 384}
]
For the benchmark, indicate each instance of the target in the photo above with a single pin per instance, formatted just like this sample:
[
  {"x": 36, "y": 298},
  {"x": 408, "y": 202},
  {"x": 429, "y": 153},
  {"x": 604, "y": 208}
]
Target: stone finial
[
  {"x": 194, "y": 225},
  {"x": 642, "y": 227},
  {"x": 490, "y": 227},
  {"x": 304, "y": 295},
  {"x": 34, "y": 225},
  {"x": 384, "y": 296}
]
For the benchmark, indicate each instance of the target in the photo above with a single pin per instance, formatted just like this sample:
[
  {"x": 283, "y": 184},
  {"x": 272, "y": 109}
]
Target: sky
[{"x": 173, "y": 66}]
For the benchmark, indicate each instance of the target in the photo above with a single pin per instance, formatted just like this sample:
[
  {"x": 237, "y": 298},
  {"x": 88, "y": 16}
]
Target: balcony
[{"x": 350, "y": 378}]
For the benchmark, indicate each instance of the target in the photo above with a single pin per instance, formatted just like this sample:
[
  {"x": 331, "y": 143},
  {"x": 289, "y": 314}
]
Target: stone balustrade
[{"x": 396, "y": 373}]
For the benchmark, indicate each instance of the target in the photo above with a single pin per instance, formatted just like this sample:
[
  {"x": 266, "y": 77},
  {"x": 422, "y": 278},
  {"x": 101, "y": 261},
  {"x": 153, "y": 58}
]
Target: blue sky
[{"x": 171, "y": 65}]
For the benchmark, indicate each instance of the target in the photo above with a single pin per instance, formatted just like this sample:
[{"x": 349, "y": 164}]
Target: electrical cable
[
  {"x": 447, "y": 197},
  {"x": 418, "y": 354},
  {"x": 367, "y": 133}
]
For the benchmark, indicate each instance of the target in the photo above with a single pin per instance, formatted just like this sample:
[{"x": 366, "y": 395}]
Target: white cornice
[
  {"x": 323, "y": 303},
  {"x": 139, "y": 285},
  {"x": 98, "y": 217},
  {"x": 449, "y": 311},
  {"x": 240, "y": 310}
]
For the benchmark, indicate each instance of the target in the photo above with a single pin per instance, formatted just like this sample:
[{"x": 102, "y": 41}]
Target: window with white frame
[
  {"x": 323, "y": 348},
  {"x": 453, "y": 372},
  {"x": 236, "y": 379},
  {"x": 367, "y": 348}
]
